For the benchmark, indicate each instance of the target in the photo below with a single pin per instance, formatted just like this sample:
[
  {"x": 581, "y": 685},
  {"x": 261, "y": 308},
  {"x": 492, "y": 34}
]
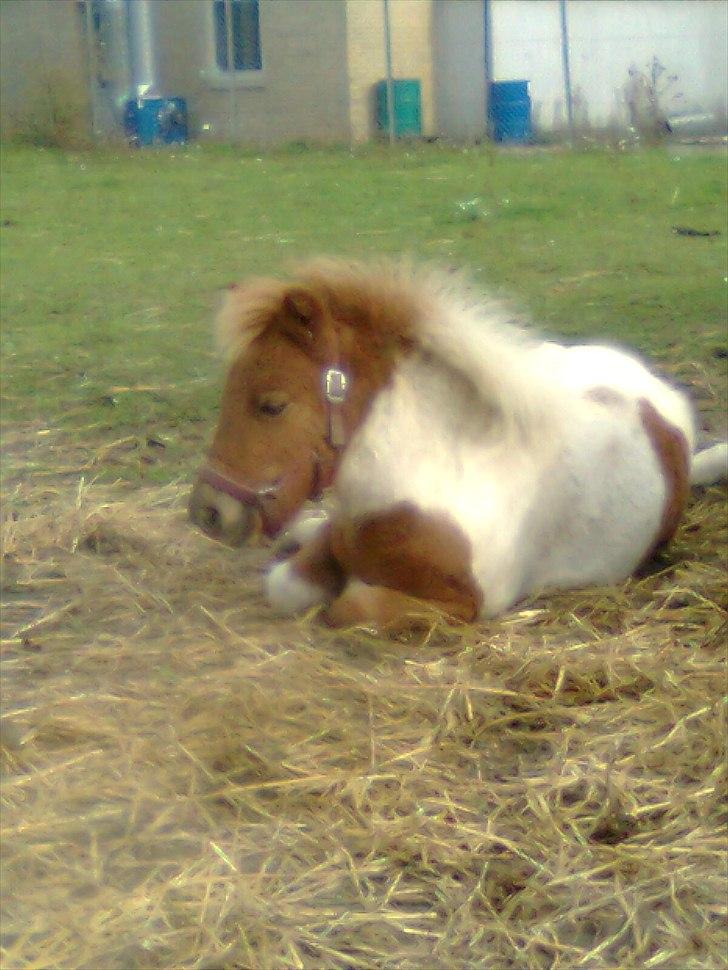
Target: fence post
[
  {"x": 566, "y": 68},
  {"x": 390, "y": 83}
]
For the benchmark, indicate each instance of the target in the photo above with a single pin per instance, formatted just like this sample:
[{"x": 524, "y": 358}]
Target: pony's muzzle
[{"x": 220, "y": 516}]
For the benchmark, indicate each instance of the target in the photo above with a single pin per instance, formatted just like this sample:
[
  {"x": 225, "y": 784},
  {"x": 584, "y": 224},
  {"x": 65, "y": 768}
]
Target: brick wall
[{"x": 299, "y": 95}]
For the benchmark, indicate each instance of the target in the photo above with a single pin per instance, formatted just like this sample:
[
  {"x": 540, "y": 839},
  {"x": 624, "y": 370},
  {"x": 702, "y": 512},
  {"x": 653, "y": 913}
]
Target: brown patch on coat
[
  {"x": 386, "y": 609},
  {"x": 315, "y": 563},
  {"x": 420, "y": 554},
  {"x": 393, "y": 569},
  {"x": 673, "y": 453}
]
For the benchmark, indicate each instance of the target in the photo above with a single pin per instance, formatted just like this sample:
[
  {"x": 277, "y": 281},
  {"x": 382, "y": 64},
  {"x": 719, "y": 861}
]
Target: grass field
[
  {"x": 189, "y": 782},
  {"x": 112, "y": 265}
]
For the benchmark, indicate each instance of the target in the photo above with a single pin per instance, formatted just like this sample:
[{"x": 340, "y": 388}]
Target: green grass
[{"x": 112, "y": 263}]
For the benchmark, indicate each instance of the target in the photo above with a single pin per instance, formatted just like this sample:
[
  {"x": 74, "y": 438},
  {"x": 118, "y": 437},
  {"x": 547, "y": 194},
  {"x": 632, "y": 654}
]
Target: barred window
[{"x": 237, "y": 35}]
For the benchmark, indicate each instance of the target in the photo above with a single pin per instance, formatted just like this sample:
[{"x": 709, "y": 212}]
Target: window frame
[{"x": 217, "y": 77}]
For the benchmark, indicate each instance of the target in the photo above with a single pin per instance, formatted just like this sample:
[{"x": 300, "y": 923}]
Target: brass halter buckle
[
  {"x": 335, "y": 388},
  {"x": 335, "y": 385}
]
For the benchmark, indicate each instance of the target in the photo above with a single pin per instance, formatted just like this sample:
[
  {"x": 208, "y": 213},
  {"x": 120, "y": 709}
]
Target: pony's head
[
  {"x": 281, "y": 421},
  {"x": 305, "y": 358}
]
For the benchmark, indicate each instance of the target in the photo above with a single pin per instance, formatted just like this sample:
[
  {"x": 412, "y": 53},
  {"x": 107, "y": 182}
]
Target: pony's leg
[
  {"x": 304, "y": 529},
  {"x": 311, "y": 576},
  {"x": 402, "y": 564},
  {"x": 389, "y": 610}
]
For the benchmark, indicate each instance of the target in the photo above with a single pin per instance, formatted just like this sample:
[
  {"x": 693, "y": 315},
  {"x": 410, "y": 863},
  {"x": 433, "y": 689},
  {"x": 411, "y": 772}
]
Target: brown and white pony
[{"x": 470, "y": 463}]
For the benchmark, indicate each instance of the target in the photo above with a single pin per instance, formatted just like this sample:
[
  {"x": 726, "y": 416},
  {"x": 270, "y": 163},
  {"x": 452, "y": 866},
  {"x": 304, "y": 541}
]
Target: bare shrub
[{"x": 56, "y": 116}]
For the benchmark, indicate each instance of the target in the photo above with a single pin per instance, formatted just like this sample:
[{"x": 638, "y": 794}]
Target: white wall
[{"x": 606, "y": 37}]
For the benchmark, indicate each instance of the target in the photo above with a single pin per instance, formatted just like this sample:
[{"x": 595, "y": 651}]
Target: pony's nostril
[
  {"x": 209, "y": 518},
  {"x": 220, "y": 516}
]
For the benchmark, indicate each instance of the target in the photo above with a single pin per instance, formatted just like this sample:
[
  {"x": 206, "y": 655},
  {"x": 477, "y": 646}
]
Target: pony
[{"x": 469, "y": 463}]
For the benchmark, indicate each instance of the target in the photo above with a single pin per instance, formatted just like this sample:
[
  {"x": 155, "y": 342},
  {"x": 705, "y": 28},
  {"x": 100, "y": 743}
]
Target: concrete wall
[
  {"x": 43, "y": 74},
  {"x": 411, "y": 38},
  {"x": 459, "y": 68},
  {"x": 300, "y": 93},
  {"x": 607, "y": 37}
]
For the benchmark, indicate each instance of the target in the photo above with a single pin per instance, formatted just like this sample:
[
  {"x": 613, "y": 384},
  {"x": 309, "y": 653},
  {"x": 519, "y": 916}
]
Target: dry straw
[{"x": 191, "y": 783}]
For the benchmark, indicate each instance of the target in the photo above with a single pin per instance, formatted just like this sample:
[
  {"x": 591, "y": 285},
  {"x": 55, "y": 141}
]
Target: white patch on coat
[
  {"x": 305, "y": 527},
  {"x": 497, "y": 430}
]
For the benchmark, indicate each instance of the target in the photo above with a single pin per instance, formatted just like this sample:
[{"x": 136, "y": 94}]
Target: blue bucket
[
  {"x": 156, "y": 121},
  {"x": 509, "y": 111}
]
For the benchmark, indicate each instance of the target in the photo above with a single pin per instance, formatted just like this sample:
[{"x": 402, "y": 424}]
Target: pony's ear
[
  {"x": 303, "y": 317},
  {"x": 302, "y": 305}
]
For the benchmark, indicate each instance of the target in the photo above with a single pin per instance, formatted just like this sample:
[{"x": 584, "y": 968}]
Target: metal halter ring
[{"x": 335, "y": 385}]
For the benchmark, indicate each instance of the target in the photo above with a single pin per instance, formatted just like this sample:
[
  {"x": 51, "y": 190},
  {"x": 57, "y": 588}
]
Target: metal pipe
[
  {"x": 92, "y": 62},
  {"x": 230, "y": 47},
  {"x": 117, "y": 56},
  {"x": 488, "y": 41},
  {"x": 390, "y": 82},
  {"x": 488, "y": 60},
  {"x": 566, "y": 67},
  {"x": 141, "y": 35}
]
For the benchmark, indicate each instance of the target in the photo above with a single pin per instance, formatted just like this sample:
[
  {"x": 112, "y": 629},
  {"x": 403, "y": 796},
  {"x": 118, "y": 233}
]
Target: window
[{"x": 237, "y": 35}]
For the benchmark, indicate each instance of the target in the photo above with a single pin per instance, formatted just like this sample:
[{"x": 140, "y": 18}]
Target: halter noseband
[{"x": 335, "y": 385}]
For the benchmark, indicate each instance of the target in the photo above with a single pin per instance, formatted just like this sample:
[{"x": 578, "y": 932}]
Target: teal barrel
[
  {"x": 509, "y": 111},
  {"x": 407, "y": 107}
]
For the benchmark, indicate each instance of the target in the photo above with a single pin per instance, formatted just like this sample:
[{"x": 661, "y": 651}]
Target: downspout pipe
[{"x": 142, "y": 47}]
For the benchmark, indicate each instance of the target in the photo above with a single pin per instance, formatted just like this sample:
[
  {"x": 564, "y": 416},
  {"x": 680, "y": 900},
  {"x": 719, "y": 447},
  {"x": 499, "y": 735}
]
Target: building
[{"x": 267, "y": 72}]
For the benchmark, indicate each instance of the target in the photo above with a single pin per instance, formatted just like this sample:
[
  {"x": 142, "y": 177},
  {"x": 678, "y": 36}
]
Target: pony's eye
[{"x": 272, "y": 408}]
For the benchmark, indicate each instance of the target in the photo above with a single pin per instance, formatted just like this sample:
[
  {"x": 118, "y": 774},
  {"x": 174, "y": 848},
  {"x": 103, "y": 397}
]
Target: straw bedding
[{"x": 192, "y": 783}]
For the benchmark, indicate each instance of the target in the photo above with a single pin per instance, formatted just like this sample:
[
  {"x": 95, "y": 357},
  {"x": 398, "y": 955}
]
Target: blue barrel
[
  {"x": 509, "y": 111},
  {"x": 407, "y": 99},
  {"x": 156, "y": 121}
]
